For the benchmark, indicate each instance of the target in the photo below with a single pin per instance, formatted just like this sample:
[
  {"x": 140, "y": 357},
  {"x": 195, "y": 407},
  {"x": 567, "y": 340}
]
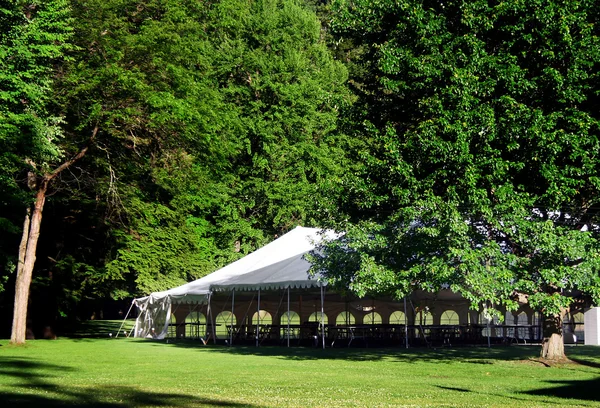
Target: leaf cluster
[{"x": 484, "y": 129}]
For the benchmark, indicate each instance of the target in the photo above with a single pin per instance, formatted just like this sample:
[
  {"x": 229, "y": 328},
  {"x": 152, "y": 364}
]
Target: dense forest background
[
  {"x": 455, "y": 143},
  {"x": 209, "y": 129}
]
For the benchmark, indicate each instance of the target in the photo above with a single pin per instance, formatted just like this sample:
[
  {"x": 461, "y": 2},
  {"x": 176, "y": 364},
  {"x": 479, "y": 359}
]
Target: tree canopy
[
  {"x": 33, "y": 37},
  {"x": 214, "y": 130},
  {"x": 228, "y": 112},
  {"x": 483, "y": 170}
]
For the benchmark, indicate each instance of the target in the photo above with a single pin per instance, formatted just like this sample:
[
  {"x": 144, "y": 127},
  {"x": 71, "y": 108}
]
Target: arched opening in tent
[
  {"x": 522, "y": 323},
  {"x": 372, "y": 318},
  {"x": 224, "y": 320},
  {"x": 489, "y": 324},
  {"x": 449, "y": 317},
  {"x": 345, "y": 318},
  {"x": 292, "y": 322},
  {"x": 424, "y": 318},
  {"x": 510, "y": 318},
  {"x": 398, "y": 317},
  {"x": 262, "y": 317},
  {"x": 195, "y": 323},
  {"x": 315, "y": 317}
]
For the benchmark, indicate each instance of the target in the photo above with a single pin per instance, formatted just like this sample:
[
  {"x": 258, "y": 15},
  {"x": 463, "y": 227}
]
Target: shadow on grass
[
  {"x": 587, "y": 356},
  {"x": 95, "y": 329},
  {"x": 577, "y": 389},
  {"x": 33, "y": 386},
  {"x": 474, "y": 355},
  {"x": 453, "y": 388}
]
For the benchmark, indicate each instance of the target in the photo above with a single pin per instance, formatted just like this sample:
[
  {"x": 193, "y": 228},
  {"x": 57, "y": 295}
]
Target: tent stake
[
  {"x": 231, "y": 328},
  {"x": 126, "y": 316},
  {"x": 257, "y": 316}
]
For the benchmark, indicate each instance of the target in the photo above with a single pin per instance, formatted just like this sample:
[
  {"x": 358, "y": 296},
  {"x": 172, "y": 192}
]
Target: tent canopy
[
  {"x": 278, "y": 265},
  {"x": 291, "y": 272}
]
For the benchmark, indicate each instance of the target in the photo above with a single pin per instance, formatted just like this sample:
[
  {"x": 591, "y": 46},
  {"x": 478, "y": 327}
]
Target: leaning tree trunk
[
  {"x": 28, "y": 246},
  {"x": 553, "y": 346},
  {"x": 27, "y": 249}
]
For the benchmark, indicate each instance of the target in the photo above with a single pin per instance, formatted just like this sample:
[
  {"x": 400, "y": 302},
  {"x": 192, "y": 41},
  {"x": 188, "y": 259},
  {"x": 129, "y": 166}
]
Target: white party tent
[
  {"x": 232, "y": 303},
  {"x": 278, "y": 265}
]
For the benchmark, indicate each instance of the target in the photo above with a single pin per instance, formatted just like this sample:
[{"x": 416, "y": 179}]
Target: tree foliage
[
  {"x": 218, "y": 128},
  {"x": 34, "y": 36},
  {"x": 483, "y": 172}
]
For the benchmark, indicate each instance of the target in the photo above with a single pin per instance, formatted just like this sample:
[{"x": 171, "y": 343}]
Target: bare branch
[{"x": 69, "y": 162}]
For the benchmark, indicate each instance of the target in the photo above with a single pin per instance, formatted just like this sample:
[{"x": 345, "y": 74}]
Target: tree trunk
[
  {"x": 27, "y": 249},
  {"x": 28, "y": 246},
  {"x": 553, "y": 346}
]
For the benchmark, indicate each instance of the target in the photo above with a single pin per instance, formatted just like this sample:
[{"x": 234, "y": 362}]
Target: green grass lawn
[{"x": 105, "y": 372}]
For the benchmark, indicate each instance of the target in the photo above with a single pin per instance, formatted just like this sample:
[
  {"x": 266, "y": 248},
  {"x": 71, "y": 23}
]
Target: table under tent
[{"x": 269, "y": 297}]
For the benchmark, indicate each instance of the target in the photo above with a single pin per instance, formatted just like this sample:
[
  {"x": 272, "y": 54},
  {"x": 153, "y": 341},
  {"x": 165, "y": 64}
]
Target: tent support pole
[
  {"x": 202, "y": 333},
  {"x": 489, "y": 331},
  {"x": 373, "y": 312},
  {"x": 214, "y": 326},
  {"x": 347, "y": 310},
  {"x": 206, "y": 332},
  {"x": 191, "y": 321},
  {"x": 126, "y": 316},
  {"x": 288, "y": 332},
  {"x": 231, "y": 328},
  {"x": 405, "y": 325},
  {"x": 212, "y": 320},
  {"x": 257, "y": 316},
  {"x": 322, "y": 317}
]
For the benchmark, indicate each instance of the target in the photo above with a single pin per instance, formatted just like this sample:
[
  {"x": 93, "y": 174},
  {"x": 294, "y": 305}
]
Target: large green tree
[
  {"x": 34, "y": 38},
  {"x": 218, "y": 129},
  {"x": 484, "y": 125}
]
